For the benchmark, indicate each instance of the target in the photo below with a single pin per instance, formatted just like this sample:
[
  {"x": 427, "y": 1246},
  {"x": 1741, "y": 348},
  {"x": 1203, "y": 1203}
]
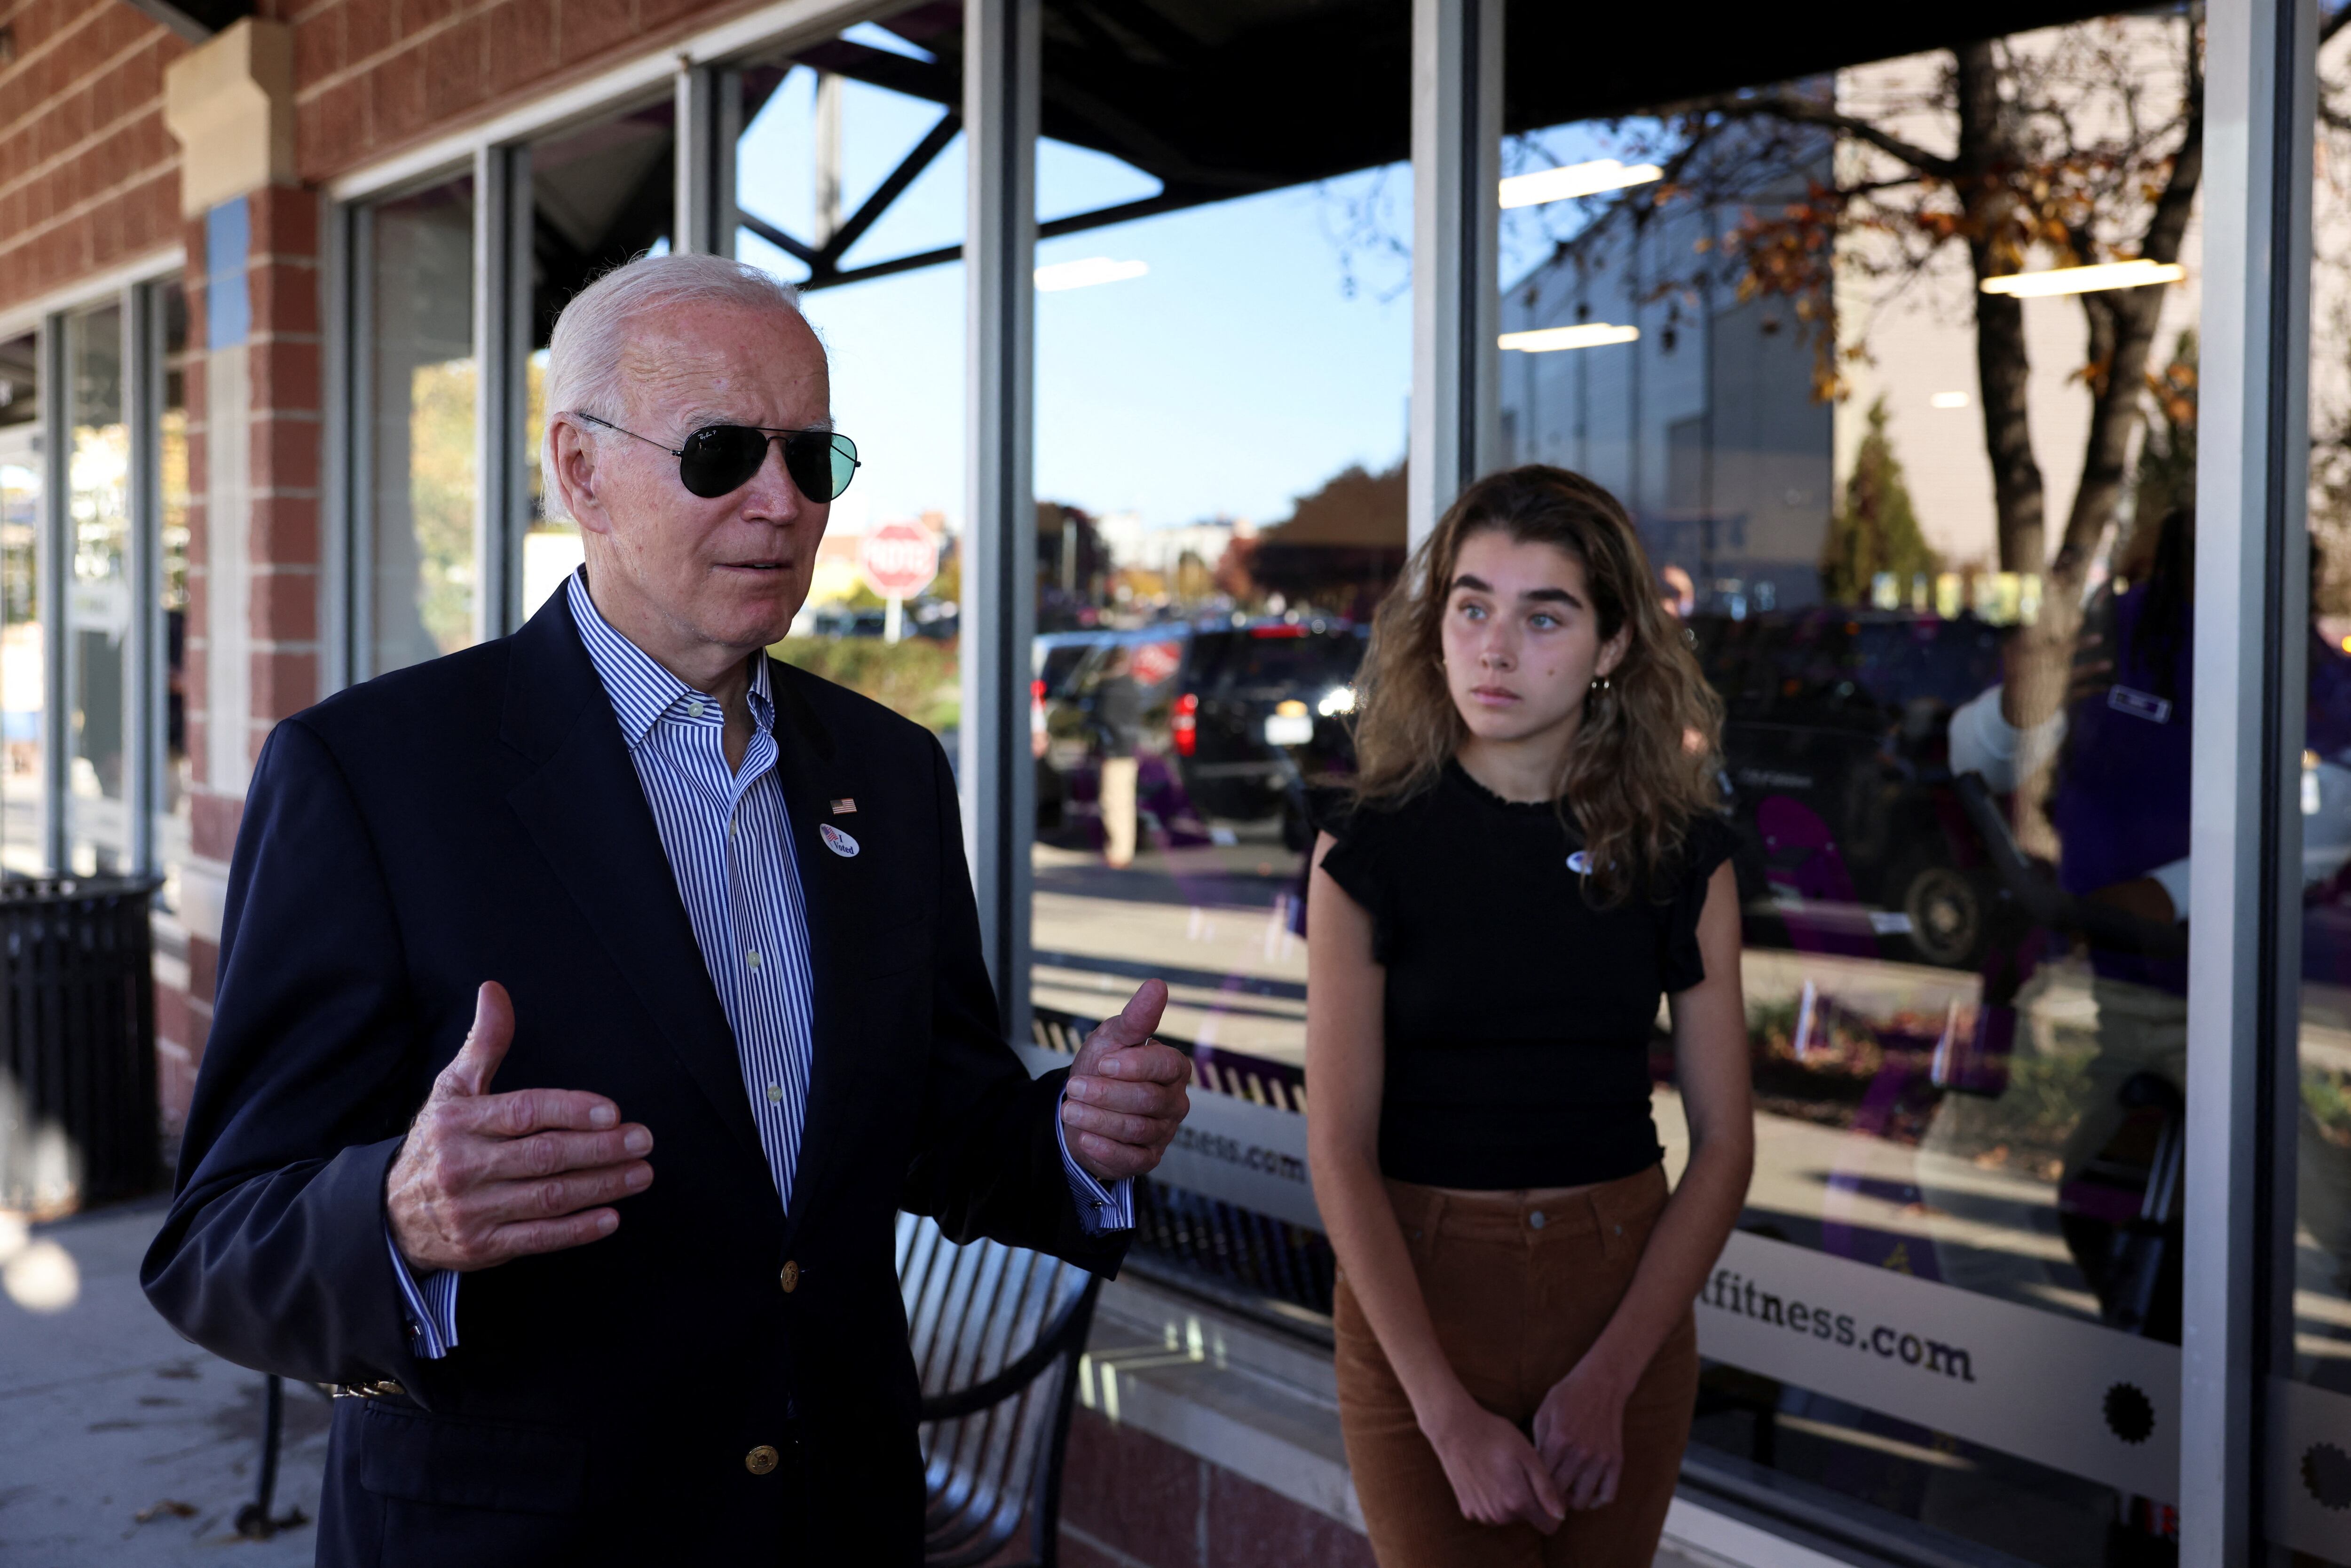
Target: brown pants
[{"x": 1518, "y": 1292}]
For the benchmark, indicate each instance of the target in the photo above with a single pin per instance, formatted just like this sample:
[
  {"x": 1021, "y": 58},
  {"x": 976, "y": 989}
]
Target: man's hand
[
  {"x": 1126, "y": 1097},
  {"x": 484, "y": 1177}
]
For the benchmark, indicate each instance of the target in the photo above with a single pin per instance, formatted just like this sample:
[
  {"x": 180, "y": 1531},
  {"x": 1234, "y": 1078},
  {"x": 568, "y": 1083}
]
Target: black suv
[
  {"x": 1838, "y": 721},
  {"x": 1235, "y": 721}
]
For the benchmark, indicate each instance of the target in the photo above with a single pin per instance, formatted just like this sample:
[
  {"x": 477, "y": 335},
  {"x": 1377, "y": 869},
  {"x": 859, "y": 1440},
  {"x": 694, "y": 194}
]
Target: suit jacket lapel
[
  {"x": 837, "y": 902},
  {"x": 584, "y": 808}
]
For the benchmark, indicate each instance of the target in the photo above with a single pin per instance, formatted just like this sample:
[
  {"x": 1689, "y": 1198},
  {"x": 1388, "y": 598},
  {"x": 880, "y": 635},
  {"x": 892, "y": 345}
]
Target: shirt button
[
  {"x": 694, "y": 710},
  {"x": 790, "y": 1278},
  {"x": 761, "y": 1459},
  {"x": 754, "y": 957},
  {"x": 775, "y": 1093},
  {"x": 1536, "y": 1219}
]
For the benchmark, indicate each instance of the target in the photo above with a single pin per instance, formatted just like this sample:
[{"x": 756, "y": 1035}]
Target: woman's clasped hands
[
  {"x": 1497, "y": 1477},
  {"x": 1574, "y": 1462}
]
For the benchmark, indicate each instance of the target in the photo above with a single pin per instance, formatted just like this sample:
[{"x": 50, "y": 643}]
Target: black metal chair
[{"x": 996, "y": 1334}]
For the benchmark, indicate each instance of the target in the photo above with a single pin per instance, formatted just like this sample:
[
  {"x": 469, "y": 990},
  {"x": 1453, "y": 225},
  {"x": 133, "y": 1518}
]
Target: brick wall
[
  {"x": 89, "y": 177},
  {"x": 1131, "y": 1500},
  {"x": 375, "y": 75}
]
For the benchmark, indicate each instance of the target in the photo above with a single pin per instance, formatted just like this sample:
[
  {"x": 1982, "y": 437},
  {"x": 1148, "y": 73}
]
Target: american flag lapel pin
[{"x": 843, "y": 807}]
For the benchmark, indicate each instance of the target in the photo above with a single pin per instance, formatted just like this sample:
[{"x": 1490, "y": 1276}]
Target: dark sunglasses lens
[
  {"x": 718, "y": 460},
  {"x": 821, "y": 463}
]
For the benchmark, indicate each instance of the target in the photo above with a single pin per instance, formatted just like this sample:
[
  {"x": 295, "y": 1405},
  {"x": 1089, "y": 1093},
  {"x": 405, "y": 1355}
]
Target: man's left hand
[{"x": 1125, "y": 1096}]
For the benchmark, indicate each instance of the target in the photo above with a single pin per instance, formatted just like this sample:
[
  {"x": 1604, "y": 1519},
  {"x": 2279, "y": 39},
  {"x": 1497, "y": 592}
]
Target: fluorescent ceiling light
[
  {"x": 1575, "y": 180},
  {"x": 1085, "y": 274},
  {"x": 1948, "y": 399},
  {"x": 2085, "y": 279},
  {"x": 1592, "y": 335}
]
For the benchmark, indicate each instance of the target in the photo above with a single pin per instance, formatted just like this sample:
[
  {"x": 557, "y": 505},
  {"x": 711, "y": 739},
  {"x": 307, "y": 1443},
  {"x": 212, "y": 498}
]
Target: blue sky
[
  {"x": 1237, "y": 374},
  {"x": 1258, "y": 357}
]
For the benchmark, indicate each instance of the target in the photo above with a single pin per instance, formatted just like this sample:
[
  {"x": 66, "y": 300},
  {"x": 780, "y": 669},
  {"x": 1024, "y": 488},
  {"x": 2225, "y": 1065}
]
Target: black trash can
[{"x": 77, "y": 1114}]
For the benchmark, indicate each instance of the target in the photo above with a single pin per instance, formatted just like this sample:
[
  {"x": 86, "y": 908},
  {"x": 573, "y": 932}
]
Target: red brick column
[
  {"x": 288, "y": 459},
  {"x": 280, "y": 418}
]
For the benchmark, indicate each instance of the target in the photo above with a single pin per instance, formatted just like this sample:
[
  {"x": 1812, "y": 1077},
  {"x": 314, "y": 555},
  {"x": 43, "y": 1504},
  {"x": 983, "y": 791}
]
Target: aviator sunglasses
[{"x": 719, "y": 459}]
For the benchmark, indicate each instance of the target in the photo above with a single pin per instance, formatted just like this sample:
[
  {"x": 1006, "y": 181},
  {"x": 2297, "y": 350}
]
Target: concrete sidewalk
[{"x": 120, "y": 1443}]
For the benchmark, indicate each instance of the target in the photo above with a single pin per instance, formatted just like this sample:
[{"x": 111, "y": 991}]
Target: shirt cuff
[
  {"x": 1100, "y": 1207},
  {"x": 1982, "y": 741},
  {"x": 432, "y": 1304}
]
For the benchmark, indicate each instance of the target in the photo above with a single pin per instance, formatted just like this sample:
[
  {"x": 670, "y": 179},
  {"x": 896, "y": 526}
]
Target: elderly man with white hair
[{"x": 590, "y": 1000}]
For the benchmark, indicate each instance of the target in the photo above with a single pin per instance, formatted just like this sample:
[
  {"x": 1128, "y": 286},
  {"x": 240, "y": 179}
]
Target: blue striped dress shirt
[{"x": 729, "y": 839}]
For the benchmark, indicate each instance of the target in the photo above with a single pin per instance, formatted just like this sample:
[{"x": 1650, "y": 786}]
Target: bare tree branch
[{"x": 1801, "y": 110}]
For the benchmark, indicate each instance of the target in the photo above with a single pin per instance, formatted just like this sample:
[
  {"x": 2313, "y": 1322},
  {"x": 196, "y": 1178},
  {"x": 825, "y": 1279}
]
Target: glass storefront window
[
  {"x": 173, "y": 497},
  {"x": 23, "y": 820},
  {"x": 1931, "y": 541},
  {"x": 2307, "y": 1467},
  {"x": 98, "y": 597},
  {"x": 422, "y": 393},
  {"x": 846, "y": 162},
  {"x": 1221, "y": 419},
  {"x": 600, "y": 195}
]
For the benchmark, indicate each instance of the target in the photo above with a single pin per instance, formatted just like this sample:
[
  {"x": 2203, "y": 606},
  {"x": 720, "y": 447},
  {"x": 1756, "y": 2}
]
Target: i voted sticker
[
  {"x": 836, "y": 840},
  {"x": 1579, "y": 863}
]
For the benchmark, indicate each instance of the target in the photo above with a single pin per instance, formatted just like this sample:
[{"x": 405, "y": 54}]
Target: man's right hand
[{"x": 484, "y": 1177}]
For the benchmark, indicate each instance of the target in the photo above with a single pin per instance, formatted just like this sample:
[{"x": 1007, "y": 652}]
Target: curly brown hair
[{"x": 1646, "y": 761}]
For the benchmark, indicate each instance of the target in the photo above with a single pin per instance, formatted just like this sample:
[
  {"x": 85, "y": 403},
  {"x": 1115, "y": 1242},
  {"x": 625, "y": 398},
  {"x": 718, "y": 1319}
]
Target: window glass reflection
[
  {"x": 849, "y": 168},
  {"x": 600, "y": 195},
  {"x": 1220, "y": 468},
  {"x": 1932, "y": 542},
  {"x": 422, "y": 389},
  {"x": 23, "y": 679},
  {"x": 99, "y": 599},
  {"x": 2308, "y": 1464},
  {"x": 172, "y": 807}
]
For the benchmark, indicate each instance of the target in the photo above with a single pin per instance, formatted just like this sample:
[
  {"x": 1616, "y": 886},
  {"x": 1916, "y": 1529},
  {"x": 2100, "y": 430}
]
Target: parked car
[
  {"x": 1261, "y": 715},
  {"x": 835, "y": 621},
  {"x": 1837, "y": 743},
  {"x": 1054, "y": 660},
  {"x": 1235, "y": 722}
]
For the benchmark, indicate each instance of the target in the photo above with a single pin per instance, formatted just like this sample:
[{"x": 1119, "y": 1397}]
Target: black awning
[{"x": 1219, "y": 97}]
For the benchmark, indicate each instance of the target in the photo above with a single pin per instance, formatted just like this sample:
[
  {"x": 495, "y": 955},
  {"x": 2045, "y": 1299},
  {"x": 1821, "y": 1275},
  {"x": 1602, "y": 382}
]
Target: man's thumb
[
  {"x": 1140, "y": 1016},
  {"x": 1132, "y": 1027},
  {"x": 485, "y": 1043}
]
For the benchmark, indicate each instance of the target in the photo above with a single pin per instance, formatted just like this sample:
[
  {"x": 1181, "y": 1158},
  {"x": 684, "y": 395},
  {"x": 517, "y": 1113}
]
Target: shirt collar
[{"x": 642, "y": 692}]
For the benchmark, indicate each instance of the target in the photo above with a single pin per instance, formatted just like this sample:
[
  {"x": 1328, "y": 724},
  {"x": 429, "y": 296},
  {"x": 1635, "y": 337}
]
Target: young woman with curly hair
[{"x": 1532, "y": 855}]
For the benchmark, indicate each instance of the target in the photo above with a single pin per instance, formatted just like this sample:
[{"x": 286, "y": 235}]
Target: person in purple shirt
[{"x": 2119, "y": 760}]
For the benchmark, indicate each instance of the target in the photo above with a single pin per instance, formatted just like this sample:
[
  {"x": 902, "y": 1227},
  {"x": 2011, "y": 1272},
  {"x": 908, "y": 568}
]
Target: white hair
[{"x": 590, "y": 338}]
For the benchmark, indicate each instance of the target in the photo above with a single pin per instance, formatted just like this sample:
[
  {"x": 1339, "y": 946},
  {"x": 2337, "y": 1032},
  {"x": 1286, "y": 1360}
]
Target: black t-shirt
[{"x": 1518, "y": 1013}]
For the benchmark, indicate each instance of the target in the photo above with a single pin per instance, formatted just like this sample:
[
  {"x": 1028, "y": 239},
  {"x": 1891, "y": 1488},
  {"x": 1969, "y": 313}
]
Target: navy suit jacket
[{"x": 478, "y": 818}]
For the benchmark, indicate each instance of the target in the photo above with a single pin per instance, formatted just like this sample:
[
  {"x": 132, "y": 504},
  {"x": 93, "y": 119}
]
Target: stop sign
[{"x": 898, "y": 559}]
